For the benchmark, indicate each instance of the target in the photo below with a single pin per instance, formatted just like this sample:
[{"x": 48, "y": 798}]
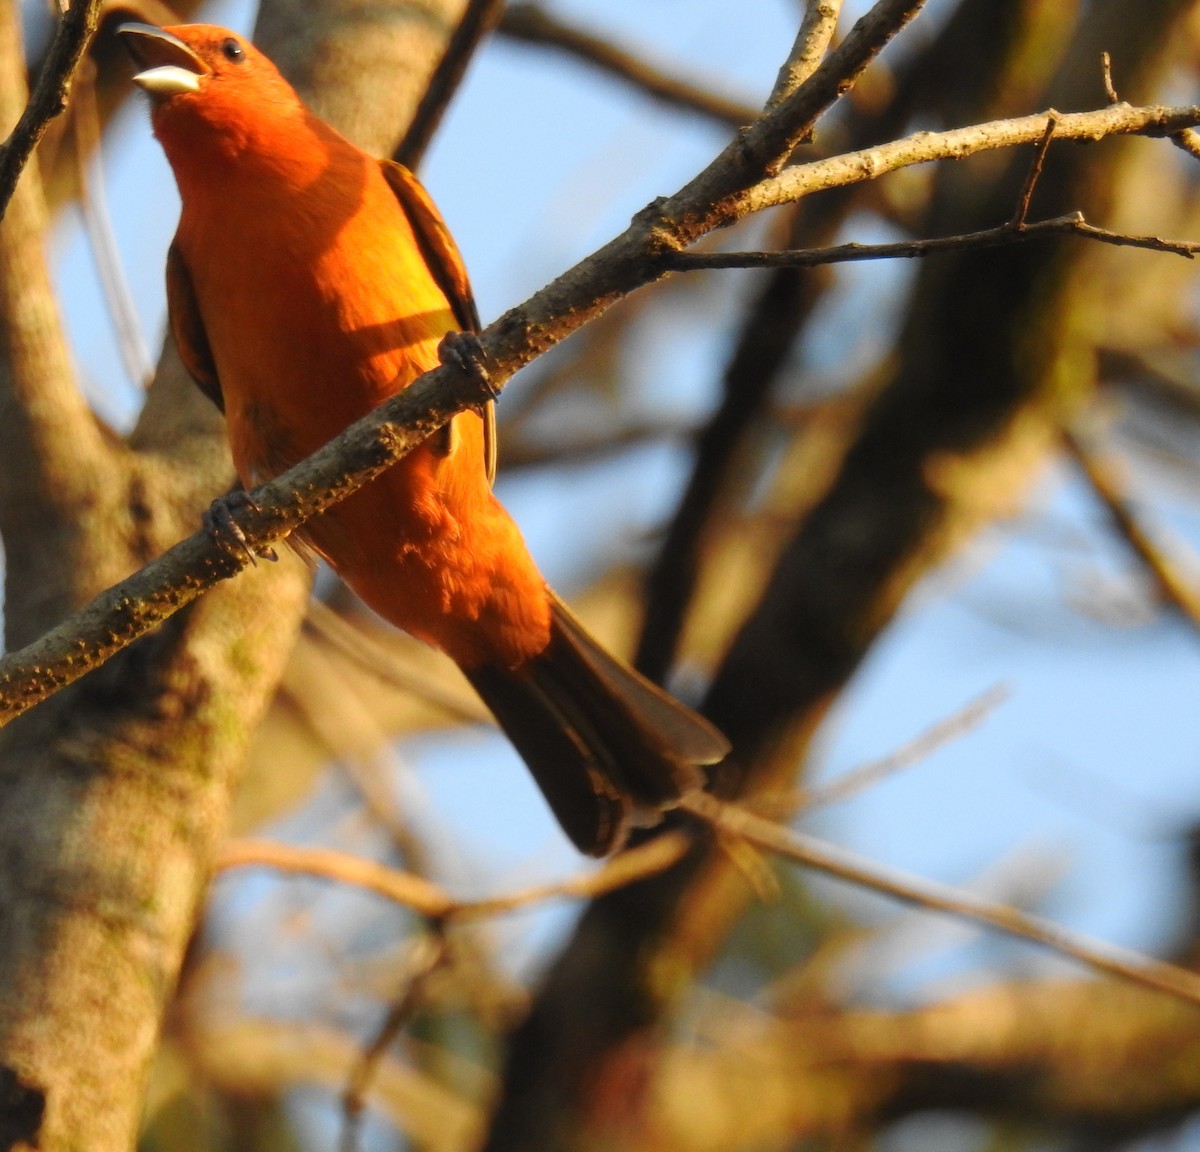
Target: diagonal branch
[
  {"x": 478, "y": 20},
  {"x": 1102, "y": 473},
  {"x": 800, "y": 180},
  {"x": 144, "y": 600},
  {"x": 532, "y": 24},
  {"x": 49, "y": 96},
  {"x": 846, "y": 865},
  {"x": 812, "y": 42}
]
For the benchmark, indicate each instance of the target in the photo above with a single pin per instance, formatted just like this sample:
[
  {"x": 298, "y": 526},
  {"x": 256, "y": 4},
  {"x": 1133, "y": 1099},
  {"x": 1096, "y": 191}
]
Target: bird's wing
[
  {"x": 187, "y": 326},
  {"x": 445, "y": 262}
]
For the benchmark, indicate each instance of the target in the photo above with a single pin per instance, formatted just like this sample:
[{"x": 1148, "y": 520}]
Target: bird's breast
[{"x": 315, "y": 314}]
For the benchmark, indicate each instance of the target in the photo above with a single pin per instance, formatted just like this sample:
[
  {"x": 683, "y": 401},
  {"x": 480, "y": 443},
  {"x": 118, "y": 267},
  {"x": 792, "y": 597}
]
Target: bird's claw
[
  {"x": 225, "y": 531},
  {"x": 463, "y": 350}
]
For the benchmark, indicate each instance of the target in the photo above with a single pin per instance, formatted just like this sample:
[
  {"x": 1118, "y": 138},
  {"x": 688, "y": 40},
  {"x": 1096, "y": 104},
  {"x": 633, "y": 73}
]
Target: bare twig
[
  {"x": 434, "y": 902},
  {"x": 928, "y": 894},
  {"x": 1106, "y": 73},
  {"x": 800, "y": 180},
  {"x": 1189, "y": 141},
  {"x": 1021, "y": 214},
  {"x": 812, "y": 42},
  {"x": 532, "y": 24},
  {"x": 1102, "y": 474},
  {"x": 1011, "y": 232},
  {"x": 429, "y": 953},
  {"x": 49, "y": 96},
  {"x": 867, "y": 775},
  {"x": 479, "y": 18}
]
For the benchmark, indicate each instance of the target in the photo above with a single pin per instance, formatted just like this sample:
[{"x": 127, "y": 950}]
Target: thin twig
[
  {"x": 532, "y": 24},
  {"x": 429, "y": 953},
  {"x": 1106, "y": 74},
  {"x": 1021, "y": 214},
  {"x": 1174, "y": 587},
  {"x": 867, "y": 775},
  {"x": 812, "y": 42},
  {"x": 434, "y": 902},
  {"x": 928, "y": 894},
  {"x": 479, "y": 18},
  {"x": 1073, "y": 224},
  {"x": 799, "y": 180},
  {"x": 49, "y": 97},
  {"x": 1189, "y": 141}
]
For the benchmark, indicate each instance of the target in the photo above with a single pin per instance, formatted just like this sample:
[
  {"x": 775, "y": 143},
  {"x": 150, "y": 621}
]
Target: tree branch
[
  {"x": 477, "y": 21},
  {"x": 434, "y": 902},
  {"x": 812, "y": 42},
  {"x": 144, "y": 600},
  {"x": 1011, "y": 232},
  {"x": 870, "y": 163},
  {"x": 49, "y": 97},
  {"x": 1101, "y": 473},
  {"x": 532, "y": 24},
  {"x": 56, "y": 469},
  {"x": 845, "y": 865}
]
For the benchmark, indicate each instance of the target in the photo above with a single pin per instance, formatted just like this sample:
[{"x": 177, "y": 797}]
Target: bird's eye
[{"x": 232, "y": 50}]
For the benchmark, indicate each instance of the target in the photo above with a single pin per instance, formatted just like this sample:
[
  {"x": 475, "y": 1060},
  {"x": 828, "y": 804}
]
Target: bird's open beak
[{"x": 168, "y": 66}]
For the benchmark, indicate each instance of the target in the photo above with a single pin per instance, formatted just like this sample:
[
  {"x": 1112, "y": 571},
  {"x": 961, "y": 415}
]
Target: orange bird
[{"x": 307, "y": 282}]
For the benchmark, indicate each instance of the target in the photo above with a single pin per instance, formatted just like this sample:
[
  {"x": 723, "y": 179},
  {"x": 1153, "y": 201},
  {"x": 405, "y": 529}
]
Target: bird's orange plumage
[{"x": 307, "y": 283}]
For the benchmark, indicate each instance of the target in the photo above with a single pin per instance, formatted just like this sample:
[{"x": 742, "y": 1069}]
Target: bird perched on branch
[{"x": 306, "y": 283}]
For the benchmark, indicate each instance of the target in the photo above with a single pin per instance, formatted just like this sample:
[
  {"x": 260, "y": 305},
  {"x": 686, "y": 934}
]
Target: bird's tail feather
[{"x": 607, "y": 748}]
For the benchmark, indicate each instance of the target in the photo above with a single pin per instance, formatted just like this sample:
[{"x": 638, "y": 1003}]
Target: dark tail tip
[{"x": 607, "y": 748}]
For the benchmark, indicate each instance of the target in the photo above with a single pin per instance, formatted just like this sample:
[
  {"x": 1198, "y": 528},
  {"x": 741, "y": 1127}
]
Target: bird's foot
[
  {"x": 462, "y": 350},
  {"x": 225, "y": 531}
]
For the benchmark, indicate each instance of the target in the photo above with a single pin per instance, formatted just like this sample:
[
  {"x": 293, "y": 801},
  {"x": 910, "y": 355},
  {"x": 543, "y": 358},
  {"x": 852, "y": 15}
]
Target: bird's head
[{"x": 209, "y": 87}]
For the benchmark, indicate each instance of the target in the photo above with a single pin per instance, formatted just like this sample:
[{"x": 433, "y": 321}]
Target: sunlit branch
[
  {"x": 135, "y": 606},
  {"x": 800, "y": 180},
  {"x": 434, "y": 902},
  {"x": 1189, "y": 141},
  {"x": 642, "y": 254},
  {"x": 812, "y": 42},
  {"x": 867, "y": 775},
  {"x": 928, "y": 894}
]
